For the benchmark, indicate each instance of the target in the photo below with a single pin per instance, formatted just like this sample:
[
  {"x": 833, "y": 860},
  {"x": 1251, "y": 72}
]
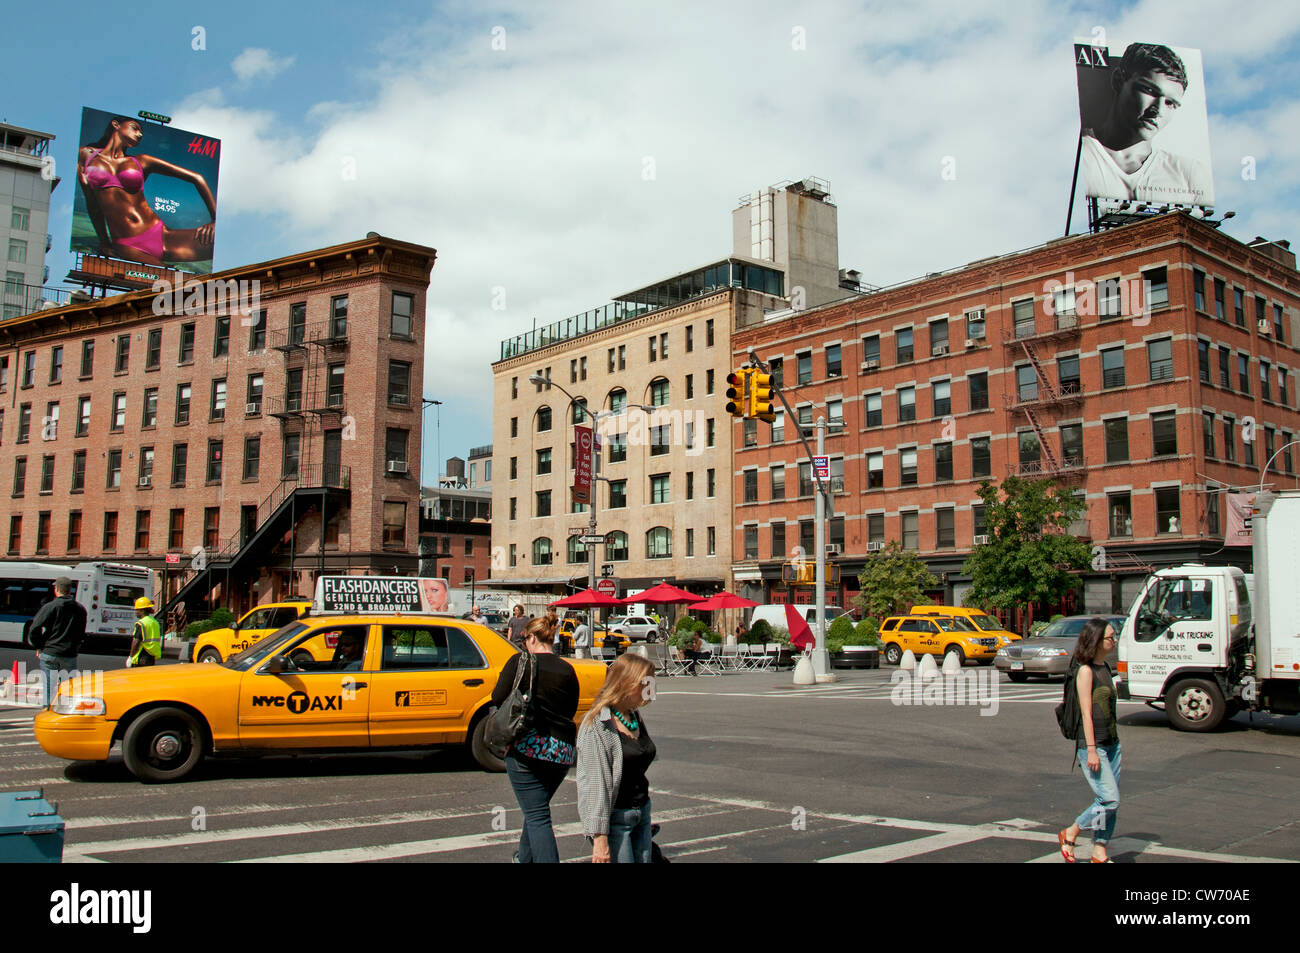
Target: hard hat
[{"x": 144, "y": 602}]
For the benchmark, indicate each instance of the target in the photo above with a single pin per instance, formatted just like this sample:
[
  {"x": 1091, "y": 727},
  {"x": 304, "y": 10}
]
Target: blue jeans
[
  {"x": 629, "y": 835},
  {"x": 1101, "y": 813},
  {"x": 535, "y": 783},
  {"x": 51, "y": 667}
]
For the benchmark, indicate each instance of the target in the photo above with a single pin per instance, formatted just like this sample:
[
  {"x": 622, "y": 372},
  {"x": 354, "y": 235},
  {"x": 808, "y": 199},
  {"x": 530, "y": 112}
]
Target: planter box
[{"x": 856, "y": 656}]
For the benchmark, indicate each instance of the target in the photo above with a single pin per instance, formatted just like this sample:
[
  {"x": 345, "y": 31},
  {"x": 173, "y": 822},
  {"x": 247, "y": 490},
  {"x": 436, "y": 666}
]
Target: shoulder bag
[{"x": 509, "y": 721}]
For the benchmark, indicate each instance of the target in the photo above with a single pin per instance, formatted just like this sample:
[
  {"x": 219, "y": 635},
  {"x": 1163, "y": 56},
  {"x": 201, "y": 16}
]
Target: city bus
[{"x": 107, "y": 591}]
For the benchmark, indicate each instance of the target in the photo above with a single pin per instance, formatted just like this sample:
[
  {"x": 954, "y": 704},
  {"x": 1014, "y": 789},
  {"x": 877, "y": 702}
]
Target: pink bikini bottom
[{"x": 150, "y": 242}]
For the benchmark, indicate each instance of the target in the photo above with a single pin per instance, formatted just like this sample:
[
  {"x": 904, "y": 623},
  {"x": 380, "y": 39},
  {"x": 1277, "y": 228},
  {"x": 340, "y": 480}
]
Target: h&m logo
[{"x": 299, "y": 702}]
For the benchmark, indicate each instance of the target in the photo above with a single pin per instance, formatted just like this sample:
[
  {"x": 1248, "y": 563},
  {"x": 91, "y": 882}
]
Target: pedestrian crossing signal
[{"x": 738, "y": 394}]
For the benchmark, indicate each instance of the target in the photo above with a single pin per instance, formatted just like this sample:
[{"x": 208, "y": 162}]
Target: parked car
[
  {"x": 936, "y": 635},
  {"x": 1048, "y": 655},
  {"x": 637, "y": 628},
  {"x": 774, "y": 615},
  {"x": 968, "y": 618}
]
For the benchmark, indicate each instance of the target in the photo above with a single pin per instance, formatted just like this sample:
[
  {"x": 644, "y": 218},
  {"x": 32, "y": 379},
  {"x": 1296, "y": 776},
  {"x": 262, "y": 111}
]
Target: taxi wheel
[
  {"x": 210, "y": 656},
  {"x": 163, "y": 745},
  {"x": 893, "y": 654},
  {"x": 479, "y": 749},
  {"x": 955, "y": 650}
]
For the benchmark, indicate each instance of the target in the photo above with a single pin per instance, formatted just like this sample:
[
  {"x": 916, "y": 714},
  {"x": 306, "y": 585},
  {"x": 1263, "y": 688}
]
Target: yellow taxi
[
  {"x": 395, "y": 680},
  {"x": 973, "y": 620},
  {"x": 936, "y": 635},
  {"x": 217, "y": 645},
  {"x": 599, "y": 639}
]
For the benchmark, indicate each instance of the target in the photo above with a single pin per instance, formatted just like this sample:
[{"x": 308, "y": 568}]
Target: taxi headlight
[{"x": 78, "y": 705}]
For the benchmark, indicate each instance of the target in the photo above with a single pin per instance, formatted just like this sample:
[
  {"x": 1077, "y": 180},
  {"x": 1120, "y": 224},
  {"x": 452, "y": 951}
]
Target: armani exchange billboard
[{"x": 1145, "y": 131}]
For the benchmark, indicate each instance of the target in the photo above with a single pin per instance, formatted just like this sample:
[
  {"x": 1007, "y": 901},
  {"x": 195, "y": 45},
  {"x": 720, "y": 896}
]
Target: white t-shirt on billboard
[{"x": 1164, "y": 178}]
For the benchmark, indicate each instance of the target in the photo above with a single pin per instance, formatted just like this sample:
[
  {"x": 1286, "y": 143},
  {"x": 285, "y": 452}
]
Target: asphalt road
[{"x": 750, "y": 768}]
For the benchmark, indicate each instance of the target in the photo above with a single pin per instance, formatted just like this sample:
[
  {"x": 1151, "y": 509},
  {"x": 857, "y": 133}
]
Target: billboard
[
  {"x": 385, "y": 594},
  {"x": 1145, "y": 130},
  {"x": 145, "y": 192}
]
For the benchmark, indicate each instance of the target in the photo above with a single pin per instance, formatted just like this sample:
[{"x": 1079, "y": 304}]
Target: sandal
[
  {"x": 1062, "y": 840},
  {"x": 1106, "y": 861}
]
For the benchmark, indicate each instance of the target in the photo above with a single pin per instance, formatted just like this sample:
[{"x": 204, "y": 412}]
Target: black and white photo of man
[{"x": 1120, "y": 156}]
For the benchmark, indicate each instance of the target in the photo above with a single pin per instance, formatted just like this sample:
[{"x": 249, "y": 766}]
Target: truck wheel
[
  {"x": 210, "y": 656},
  {"x": 893, "y": 654},
  {"x": 479, "y": 749},
  {"x": 163, "y": 745},
  {"x": 1195, "y": 704}
]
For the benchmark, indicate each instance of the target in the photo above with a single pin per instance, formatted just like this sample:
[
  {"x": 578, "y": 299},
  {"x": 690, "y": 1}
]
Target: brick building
[
  {"x": 1038, "y": 363},
  {"x": 261, "y": 447}
]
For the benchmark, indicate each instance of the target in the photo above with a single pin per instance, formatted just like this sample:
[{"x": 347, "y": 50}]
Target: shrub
[
  {"x": 1037, "y": 628},
  {"x": 780, "y": 634},
  {"x": 839, "y": 634},
  {"x": 866, "y": 632},
  {"x": 1056, "y": 618},
  {"x": 221, "y": 619},
  {"x": 761, "y": 631},
  {"x": 708, "y": 635},
  {"x": 686, "y": 622}
]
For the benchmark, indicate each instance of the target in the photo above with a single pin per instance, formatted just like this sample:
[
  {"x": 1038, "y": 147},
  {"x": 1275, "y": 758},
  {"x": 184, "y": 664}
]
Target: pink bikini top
[{"x": 129, "y": 180}]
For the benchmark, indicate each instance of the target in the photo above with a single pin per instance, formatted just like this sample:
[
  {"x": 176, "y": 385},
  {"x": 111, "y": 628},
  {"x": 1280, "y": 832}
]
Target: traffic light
[
  {"x": 760, "y": 396},
  {"x": 738, "y": 392}
]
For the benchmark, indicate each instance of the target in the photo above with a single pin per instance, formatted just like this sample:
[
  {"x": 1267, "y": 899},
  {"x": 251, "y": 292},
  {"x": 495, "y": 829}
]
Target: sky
[{"x": 559, "y": 154}]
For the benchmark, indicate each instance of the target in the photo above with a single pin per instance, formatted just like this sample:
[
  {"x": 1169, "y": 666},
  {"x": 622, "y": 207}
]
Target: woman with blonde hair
[{"x": 614, "y": 752}]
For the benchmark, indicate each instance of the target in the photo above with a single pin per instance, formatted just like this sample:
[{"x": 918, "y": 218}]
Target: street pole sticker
[{"x": 822, "y": 465}]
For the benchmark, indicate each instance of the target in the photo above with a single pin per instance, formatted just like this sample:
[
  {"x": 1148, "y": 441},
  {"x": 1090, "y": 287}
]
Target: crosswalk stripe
[{"x": 907, "y": 848}]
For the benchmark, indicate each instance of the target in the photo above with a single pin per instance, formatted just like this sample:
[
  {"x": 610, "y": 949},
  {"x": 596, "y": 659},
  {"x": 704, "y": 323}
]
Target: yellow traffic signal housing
[
  {"x": 760, "y": 396},
  {"x": 738, "y": 393}
]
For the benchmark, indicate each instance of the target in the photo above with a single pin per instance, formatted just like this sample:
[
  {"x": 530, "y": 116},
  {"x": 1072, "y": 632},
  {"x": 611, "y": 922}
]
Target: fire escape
[
  {"x": 311, "y": 480},
  {"x": 1049, "y": 399}
]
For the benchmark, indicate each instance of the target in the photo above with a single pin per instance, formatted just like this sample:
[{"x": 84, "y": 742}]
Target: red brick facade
[{"x": 1131, "y": 432}]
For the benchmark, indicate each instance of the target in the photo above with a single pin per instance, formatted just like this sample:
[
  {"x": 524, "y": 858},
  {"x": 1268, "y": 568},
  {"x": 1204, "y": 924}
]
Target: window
[
  {"x": 1030, "y": 451},
  {"x": 977, "y": 520},
  {"x": 252, "y": 457},
  {"x": 1207, "y": 434},
  {"x": 1282, "y": 396},
  {"x": 20, "y": 476},
  {"x": 1261, "y": 309},
  {"x": 110, "y": 532},
  {"x": 906, "y": 404},
  {"x": 943, "y": 462},
  {"x": 654, "y": 348},
  {"x": 1247, "y": 451},
  {"x": 1212, "y": 511},
  {"x": 218, "y": 411},
  {"x": 187, "y": 344},
  {"x": 297, "y": 323},
  {"x": 873, "y": 415},
  {"x": 1120, "y": 507},
  {"x": 690, "y": 338},
  {"x": 514, "y": 468},
  {"x": 1026, "y": 383},
  {"x": 1109, "y": 298},
  {"x": 182, "y": 403},
  {"x": 1203, "y": 360},
  {"x": 83, "y": 416},
  {"x": 1229, "y": 439},
  {"x": 1265, "y": 388},
  {"x": 1156, "y": 285},
  {"x": 257, "y": 333},
  {"x": 981, "y": 460},
  {"x": 661, "y": 439},
  {"x": 24, "y": 423},
  {"x": 395, "y": 442},
  {"x": 15, "y": 534},
  {"x": 56, "y": 364},
  {"x": 805, "y": 419},
  {"x": 1164, "y": 434},
  {"x": 402, "y": 310},
  {"x": 123, "y": 354},
  {"x": 778, "y": 540},
  {"x": 17, "y": 251},
  {"x": 87, "y": 358},
  {"x": 339, "y": 324},
  {"x": 1220, "y": 290},
  {"x": 690, "y": 386},
  {"x": 835, "y": 413},
  {"x": 659, "y": 489},
  {"x": 751, "y": 486},
  {"x": 19, "y": 218},
  {"x": 750, "y": 428},
  {"x": 1167, "y": 514},
  {"x": 1243, "y": 373},
  {"x": 1112, "y": 367},
  {"x": 1160, "y": 360},
  {"x": 214, "y": 461},
  {"x": 945, "y": 528},
  {"x": 659, "y": 543},
  {"x": 777, "y": 367},
  {"x": 942, "y": 392},
  {"x": 617, "y": 445},
  {"x": 50, "y": 431},
  {"x": 911, "y": 530},
  {"x": 1286, "y": 453},
  {"x": 1072, "y": 445},
  {"x": 1067, "y": 372},
  {"x": 543, "y": 500},
  {"x": 150, "y": 416},
  {"x": 221, "y": 338},
  {"x": 712, "y": 485},
  {"x": 907, "y": 466},
  {"x": 876, "y": 528},
  {"x": 618, "y": 493},
  {"x": 114, "y": 478},
  {"x": 711, "y": 432},
  {"x": 180, "y": 460},
  {"x": 938, "y": 337},
  {"x": 751, "y": 542},
  {"x": 543, "y": 419},
  {"x": 1198, "y": 288},
  {"x": 573, "y": 371},
  {"x": 803, "y": 365},
  {"x": 394, "y": 513},
  {"x": 903, "y": 345},
  {"x": 663, "y": 345},
  {"x": 211, "y": 527},
  {"x": 875, "y": 470},
  {"x": 616, "y": 547},
  {"x": 871, "y": 352},
  {"x": 979, "y": 390},
  {"x": 29, "y": 370},
  {"x": 74, "y": 531},
  {"x": 141, "y": 531},
  {"x": 146, "y": 466},
  {"x": 834, "y": 363},
  {"x": 777, "y": 480},
  {"x": 579, "y": 410},
  {"x": 778, "y": 427},
  {"x": 79, "y": 471},
  {"x": 577, "y": 552},
  {"x": 119, "y": 412},
  {"x": 1116, "y": 440},
  {"x": 1022, "y": 316},
  {"x": 708, "y": 341},
  {"x": 1225, "y": 367},
  {"x": 253, "y": 405},
  {"x": 1239, "y": 308},
  {"x": 1279, "y": 331},
  {"x": 543, "y": 462},
  {"x": 334, "y": 385}
]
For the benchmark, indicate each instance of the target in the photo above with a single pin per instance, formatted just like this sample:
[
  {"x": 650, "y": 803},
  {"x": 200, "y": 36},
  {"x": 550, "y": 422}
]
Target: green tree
[
  {"x": 892, "y": 580},
  {"x": 1030, "y": 553}
]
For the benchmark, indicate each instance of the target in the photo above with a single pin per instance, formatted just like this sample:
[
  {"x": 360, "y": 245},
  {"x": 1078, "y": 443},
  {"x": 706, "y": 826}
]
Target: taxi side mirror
[{"x": 276, "y": 665}]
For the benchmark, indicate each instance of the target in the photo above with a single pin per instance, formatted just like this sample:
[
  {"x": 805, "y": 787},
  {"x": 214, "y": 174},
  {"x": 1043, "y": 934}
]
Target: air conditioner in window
[
  {"x": 938, "y": 349},
  {"x": 397, "y": 466},
  {"x": 981, "y": 540},
  {"x": 868, "y": 366},
  {"x": 834, "y": 549},
  {"x": 1263, "y": 325},
  {"x": 971, "y": 342},
  {"x": 875, "y": 547},
  {"x": 253, "y": 407},
  {"x": 146, "y": 481}
]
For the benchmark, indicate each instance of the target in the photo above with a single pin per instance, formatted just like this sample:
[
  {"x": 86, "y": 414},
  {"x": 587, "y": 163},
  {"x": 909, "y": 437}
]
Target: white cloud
[{"x": 256, "y": 63}]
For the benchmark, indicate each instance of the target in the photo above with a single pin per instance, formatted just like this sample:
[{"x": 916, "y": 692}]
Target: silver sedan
[{"x": 1048, "y": 655}]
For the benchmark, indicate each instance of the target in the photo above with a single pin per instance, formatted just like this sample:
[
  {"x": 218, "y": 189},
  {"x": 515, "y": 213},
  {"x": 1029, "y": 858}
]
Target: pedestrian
[
  {"x": 691, "y": 651},
  {"x": 538, "y": 760},
  {"x": 1097, "y": 742},
  {"x": 57, "y": 631},
  {"x": 146, "y": 638},
  {"x": 477, "y": 616},
  {"x": 742, "y": 634},
  {"x": 516, "y": 626},
  {"x": 614, "y": 752},
  {"x": 582, "y": 640}
]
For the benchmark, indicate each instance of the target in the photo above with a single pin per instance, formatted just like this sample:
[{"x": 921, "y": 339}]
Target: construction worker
[{"x": 146, "y": 640}]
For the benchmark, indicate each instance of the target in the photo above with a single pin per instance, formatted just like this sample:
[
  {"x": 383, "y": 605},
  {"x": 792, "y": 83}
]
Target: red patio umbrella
[
  {"x": 724, "y": 600},
  {"x": 587, "y": 599},
  {"x": 662, "y": 594}
]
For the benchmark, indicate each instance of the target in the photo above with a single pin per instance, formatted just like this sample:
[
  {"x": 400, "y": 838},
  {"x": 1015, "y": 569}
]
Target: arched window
[
  {"x": 542, "y": 551},
  {"x": 616, "y": 547},
  {"x": 580, "y": 410},
  {"x": 543, "y": 419},
  {"x": 659, "y": 543},
  {"x": 659, "y": 392},
  {"x": 577, "y": 551},
  {"x": 618, "y": 400}
]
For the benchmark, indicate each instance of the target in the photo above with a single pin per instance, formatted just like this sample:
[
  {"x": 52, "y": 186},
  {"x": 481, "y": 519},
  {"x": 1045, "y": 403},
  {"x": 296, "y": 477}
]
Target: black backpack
[{"x": 1068, "y": 716}]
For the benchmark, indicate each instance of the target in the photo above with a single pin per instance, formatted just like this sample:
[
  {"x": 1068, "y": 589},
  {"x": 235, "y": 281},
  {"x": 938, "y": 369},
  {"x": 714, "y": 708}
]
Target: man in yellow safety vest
[{"x": 146, "y": 640}]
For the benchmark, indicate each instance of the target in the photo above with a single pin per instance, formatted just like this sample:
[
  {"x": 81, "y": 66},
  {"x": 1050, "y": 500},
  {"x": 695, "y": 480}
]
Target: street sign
[
  {"x": 608, "y": 587},
  {"x": 591, "y": 540},
  {"x": 173, "y": 558},
  {"x": 577, "y": 530},
  {"x": 822, "y": 465}
]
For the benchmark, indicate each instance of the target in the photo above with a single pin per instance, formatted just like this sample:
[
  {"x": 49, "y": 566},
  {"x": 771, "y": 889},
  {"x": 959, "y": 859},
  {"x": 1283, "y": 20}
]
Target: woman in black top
[
  {"x": 1098, "y": 739},
  {"x": 540, "y": 757}
]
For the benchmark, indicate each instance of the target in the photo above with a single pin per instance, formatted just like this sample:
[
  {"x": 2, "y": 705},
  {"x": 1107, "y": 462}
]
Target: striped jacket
[{"x": 600, "y": 772}]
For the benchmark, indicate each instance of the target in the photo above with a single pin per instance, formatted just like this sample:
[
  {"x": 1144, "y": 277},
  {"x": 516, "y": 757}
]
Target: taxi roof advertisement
[
  {"x": 145, "y": 192},
  {"x": 358, "y": 594},
  {"x": 1145, "y": 131}
]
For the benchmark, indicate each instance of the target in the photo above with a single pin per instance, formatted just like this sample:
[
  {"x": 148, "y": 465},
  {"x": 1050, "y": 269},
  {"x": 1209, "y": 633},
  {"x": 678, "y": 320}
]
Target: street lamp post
[{"x": 1267, "y": 463}]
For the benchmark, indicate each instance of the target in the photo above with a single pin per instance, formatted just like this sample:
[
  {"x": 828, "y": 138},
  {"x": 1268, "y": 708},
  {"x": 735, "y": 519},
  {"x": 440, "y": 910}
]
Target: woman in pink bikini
[{"x": 113, "y": 183}]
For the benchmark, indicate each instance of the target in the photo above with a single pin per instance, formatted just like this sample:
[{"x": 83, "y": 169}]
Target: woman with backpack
[{"x": 1096, "y": 739}]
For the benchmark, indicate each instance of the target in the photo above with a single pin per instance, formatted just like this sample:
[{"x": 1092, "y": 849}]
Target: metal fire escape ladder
[{"x": 1050, "y": 463}]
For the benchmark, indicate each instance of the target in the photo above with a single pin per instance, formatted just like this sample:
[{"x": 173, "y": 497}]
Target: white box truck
[{"x": 1195, "y": 643}]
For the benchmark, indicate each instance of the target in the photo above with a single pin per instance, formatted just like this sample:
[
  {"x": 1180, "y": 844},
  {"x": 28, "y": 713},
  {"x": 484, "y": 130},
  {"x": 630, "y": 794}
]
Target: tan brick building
[
  {"x": 1033, "y": 363},
  {"x": 260, "y": 447}
]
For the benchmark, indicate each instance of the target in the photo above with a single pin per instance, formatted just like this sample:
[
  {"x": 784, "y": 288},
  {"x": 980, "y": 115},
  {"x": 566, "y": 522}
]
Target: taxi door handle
[
  {"x": 472, "y": 681},
  {"x": 357, "y": 685}
]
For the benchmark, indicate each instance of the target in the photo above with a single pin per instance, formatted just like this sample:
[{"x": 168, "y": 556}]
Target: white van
[{"x": 774, "y": 614}]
